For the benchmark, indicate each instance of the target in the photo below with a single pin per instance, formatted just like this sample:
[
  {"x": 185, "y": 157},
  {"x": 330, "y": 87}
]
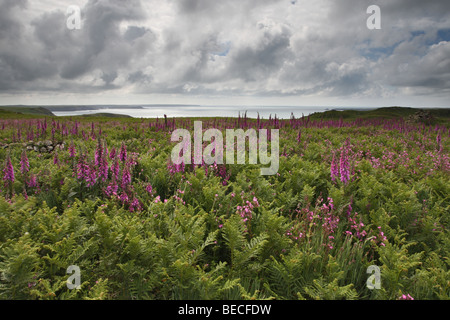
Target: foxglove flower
[
  {"x": 72, "y": 150},
  {"x": 91, "y": 178},
  {"x": 344, "y": 167},
  {"x": 439, "y": 142},
  {"x": 334, "y": 168},
  {"x": 126, "y": 177},
  {"x": 112, "y": 154},
  {"x": 82, "y": 169},
  {"x": 56, "y": 159},
  {"x": 32, "y": 183},
  {"x": 115, "y": 168},
  {"x": 98, "y": 154},
  {"x": 8, "y": 172},
  {"x": 104, "y": 170},
  {"x": 123, "y": 153},
  {"x": 123, "y": 197},
  {"x": 112, "y": 189},
  {"x": 24, "y": 163}
]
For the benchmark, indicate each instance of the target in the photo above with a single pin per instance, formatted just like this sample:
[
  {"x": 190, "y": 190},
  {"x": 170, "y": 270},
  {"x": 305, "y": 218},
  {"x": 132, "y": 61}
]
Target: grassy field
[
  {"x": 12, "y": 111},
  {"x": 353, "y": 190},
  {"x": 435, "y": 116}
]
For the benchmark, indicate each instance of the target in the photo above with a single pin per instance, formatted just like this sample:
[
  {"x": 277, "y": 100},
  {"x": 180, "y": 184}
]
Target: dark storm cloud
[
  {"x": 248, "y": 47},
  {"x": 9, "y": 26},
  {"x": 139, "y": 77},
  {"x": 101, "y": 43},
  {"x": 53, "y": 51},
  {"x": 134, "y": 33},
  {"x": 408, "y": 50},
  {"x": 417, "y": 9},
  {"x": 409, "y": 67},
  {"x": 217, "y": 7},
  {"x": 103, "y": 18},
  {"x": 266, "y": 56}
]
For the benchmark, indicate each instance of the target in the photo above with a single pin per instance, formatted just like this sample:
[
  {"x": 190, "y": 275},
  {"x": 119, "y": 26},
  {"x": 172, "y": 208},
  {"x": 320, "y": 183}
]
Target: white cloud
[{"x": 202, "y": 49}]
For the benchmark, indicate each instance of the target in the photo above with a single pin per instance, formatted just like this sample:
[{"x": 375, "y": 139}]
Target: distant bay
[{"x": 153, "y": 111}]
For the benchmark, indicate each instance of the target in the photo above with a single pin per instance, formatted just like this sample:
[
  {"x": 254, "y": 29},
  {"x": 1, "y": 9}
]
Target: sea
[{"x": 154, "y": 111}]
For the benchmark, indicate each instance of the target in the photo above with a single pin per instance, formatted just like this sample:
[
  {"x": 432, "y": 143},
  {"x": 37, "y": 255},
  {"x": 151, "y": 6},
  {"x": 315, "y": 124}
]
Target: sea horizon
[
  {"x": 154, "y": 111},
  {"x": 191, "y": 110},
  {"x": 198, "y": 110}
]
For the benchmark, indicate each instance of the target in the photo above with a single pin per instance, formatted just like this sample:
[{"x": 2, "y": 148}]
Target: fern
[
  {"x": 20, "y": 267},
  {"x": 288, "y": 277},
  {"x": 397, "y": 267},
  {"x": 323, "y": 290},
  {"x": 243, "y": 252}
]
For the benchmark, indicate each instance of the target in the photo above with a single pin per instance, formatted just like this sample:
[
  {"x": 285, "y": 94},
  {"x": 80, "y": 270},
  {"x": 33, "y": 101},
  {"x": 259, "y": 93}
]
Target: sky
[{"x": 229, "y": 52}]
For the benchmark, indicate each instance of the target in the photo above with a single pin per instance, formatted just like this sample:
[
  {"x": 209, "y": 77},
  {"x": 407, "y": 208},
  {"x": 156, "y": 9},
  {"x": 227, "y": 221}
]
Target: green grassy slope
[
  {"x": 435, "y": 116},
  {"x": 25, "y": 110}
]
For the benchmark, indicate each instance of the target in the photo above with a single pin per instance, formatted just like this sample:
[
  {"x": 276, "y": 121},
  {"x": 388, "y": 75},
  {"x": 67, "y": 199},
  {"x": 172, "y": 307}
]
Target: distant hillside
[
  {"x": 27, "y": 110},
  {"x": 432, "y": 116},
  {"x": 105, "y": 115},
  {"x": 424, "y": 115}
]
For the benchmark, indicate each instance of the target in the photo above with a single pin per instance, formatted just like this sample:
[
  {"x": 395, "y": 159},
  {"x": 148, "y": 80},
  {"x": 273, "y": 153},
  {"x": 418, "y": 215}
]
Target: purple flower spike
[
  {"x": 8, "y": 171},
  {"x": 24, "y": 163},
  {"x": 123, "y": 153}
]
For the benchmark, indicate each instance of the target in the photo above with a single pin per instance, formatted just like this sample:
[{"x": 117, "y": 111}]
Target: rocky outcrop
[
  {"x": 46, "y": 146},
  {"x": 421, "y": 116}
]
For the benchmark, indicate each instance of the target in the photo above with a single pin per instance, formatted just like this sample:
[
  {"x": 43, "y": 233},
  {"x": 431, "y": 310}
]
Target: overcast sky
[{"x": 228, "y": 52}]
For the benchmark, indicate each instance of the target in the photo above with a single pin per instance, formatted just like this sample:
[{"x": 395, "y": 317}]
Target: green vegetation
[
  {"x": 105, "y": 115},
  {"x": 14, "y": 110},
  {"x": 430, "y": 116},
  {"x": 350, "y": 193}
]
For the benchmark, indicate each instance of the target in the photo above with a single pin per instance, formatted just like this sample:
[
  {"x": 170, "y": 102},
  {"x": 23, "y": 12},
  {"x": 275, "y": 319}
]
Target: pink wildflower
[
  {"x": 112, "y": 154},
  {"x": 334, "y": 168},
  {"x": 8, "y": 171},
  {"x": 123, "y": 153},
  {"x": 344, "y": 167},
  {"x": 72, "y": 150},
  {"x": 24, "y": 164},
  {"x": 126, "y": 177}
]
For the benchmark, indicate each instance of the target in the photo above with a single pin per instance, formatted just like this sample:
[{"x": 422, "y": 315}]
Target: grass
[
  {"x": 106, "y": 115},
  {"x": 438, "y": 115},
  {"x": 10, "y": 111}
]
